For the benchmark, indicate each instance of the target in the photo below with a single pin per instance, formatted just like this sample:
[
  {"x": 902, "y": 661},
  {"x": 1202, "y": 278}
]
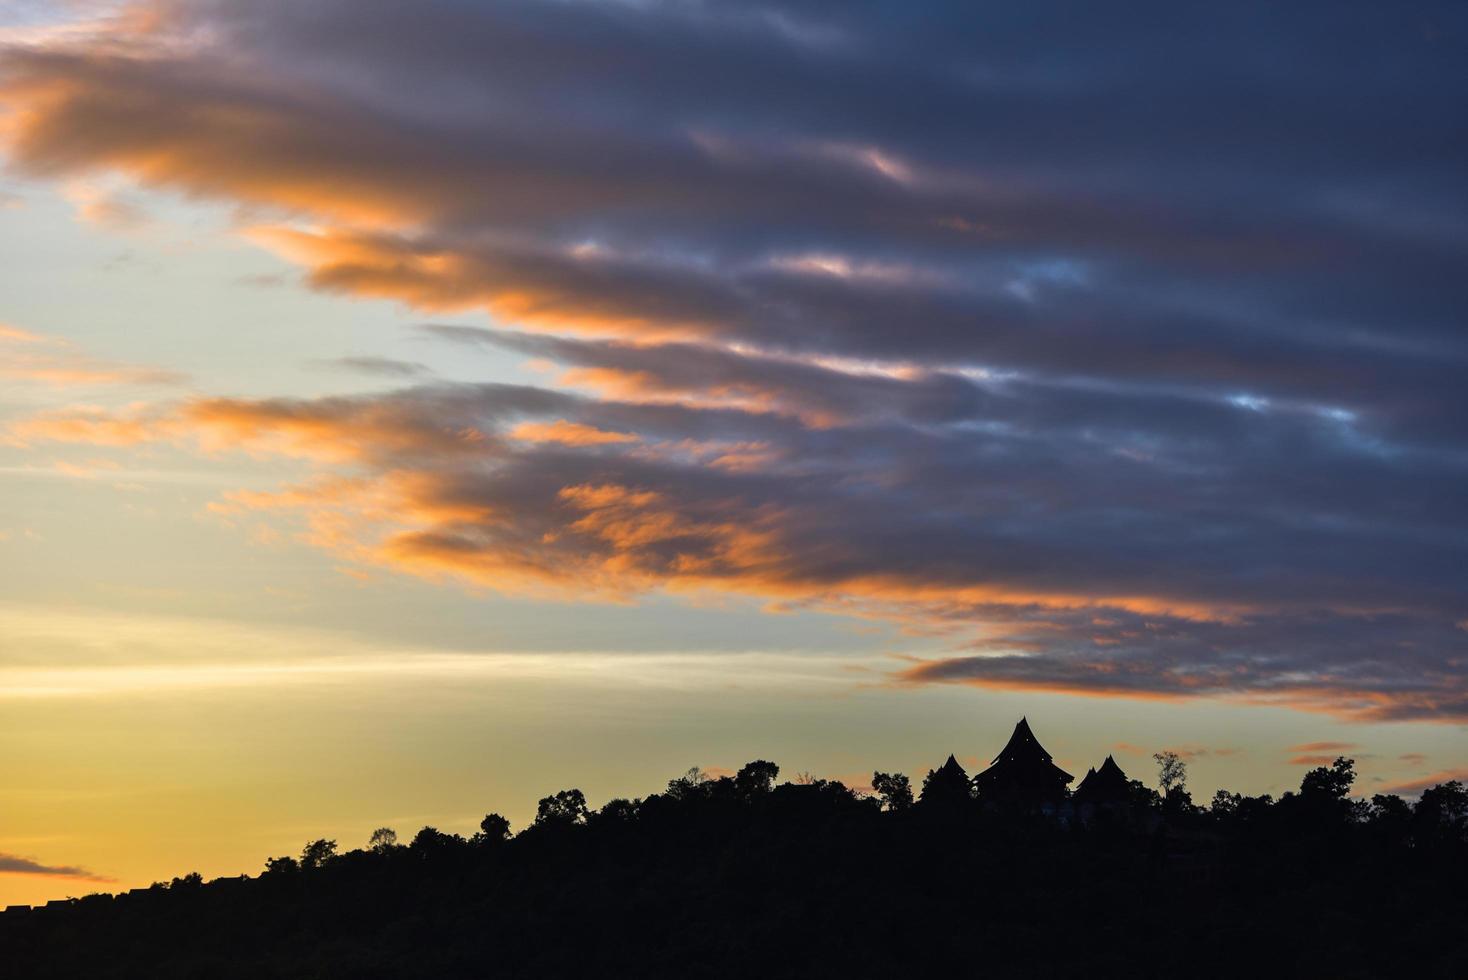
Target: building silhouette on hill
[
  {"x": 947, "y": 787},
  {"x": 1107, "y": 786},
  {"x": 1022, "y": 774}
]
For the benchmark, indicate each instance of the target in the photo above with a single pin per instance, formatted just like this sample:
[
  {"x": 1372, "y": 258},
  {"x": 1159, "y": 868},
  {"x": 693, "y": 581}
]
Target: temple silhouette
[
  {"x": 1107, "y": 786},
  {"x": 1024, "y": 777},
  {"x": 1022, "y": 773}
]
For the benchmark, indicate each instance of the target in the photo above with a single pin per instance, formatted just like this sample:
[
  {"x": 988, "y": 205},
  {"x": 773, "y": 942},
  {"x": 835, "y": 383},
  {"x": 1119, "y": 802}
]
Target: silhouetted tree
[
  {"x": 1332, "y": 784},
  {"x": 383, "y": 840},
  {"x": 1142, "y": 796},
  {"x": 281, "y": 865},
  {"x": 756, "y": 778},
  {"x": 618, "y": 811},
  {"x": 316, "y": 853},
  {"x": 493, "y": 829},
  {"x": 1442, "y": 811},
  {"x": 1325, "y": 795},
  {"x": 1390, "y": 816},
  {"x": 430, "y": 842},
  {"x": 1224, "y": 804},
  {"x": 562, "y": 809},
  {"x": 1389, "y": 807},
  {"x": 1172, "y": 771},
  {"x": 894, "y": 789},
  {"x": 688, "y": 785}
]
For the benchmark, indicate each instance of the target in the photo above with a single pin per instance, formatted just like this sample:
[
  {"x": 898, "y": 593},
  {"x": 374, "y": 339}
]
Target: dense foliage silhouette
[{"x": 745, "y": 876}]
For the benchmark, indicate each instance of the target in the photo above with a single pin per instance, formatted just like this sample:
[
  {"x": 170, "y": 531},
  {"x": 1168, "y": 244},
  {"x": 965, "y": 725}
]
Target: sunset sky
[{"x": 408, "y": 410}]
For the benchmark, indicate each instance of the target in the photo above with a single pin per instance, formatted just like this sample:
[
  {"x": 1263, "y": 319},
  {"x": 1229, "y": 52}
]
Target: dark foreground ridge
[{"x": 1007, "y": 874}]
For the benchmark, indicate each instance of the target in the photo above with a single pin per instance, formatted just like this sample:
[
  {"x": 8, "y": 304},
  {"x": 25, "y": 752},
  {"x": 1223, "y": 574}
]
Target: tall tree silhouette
[
  {"x": 1172, "y": 771},
  {"x": 562, "y": 809},
  {"x": 756, "y": 778},
  {"x": 894, "y": 790}
]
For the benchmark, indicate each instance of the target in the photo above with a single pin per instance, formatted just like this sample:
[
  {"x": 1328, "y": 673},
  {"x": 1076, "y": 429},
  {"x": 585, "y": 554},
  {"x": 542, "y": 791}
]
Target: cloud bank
[{"x": 1126, "y": 351}]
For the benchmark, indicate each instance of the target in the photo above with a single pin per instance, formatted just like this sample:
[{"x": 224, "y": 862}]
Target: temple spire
[
  {"x": 1106, "y": 785},
  {"x": 1023, "y": 745},
  {"x": 1022, "y": 772},
  {"x": 947, "y": 787}
]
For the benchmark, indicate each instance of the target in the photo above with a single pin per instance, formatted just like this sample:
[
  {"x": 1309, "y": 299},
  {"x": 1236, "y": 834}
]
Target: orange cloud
[
  {"x": 540, "y": 289},
  {"x": 17, "y": 335},
  {"x": 78, "y": 110},
  {"x": 1185, "y": 751},
  {"x": 104, "y": 207},
  {"x": 1324, "y": 747},
  {"x": 609, "y": 538},
  {"x": 83, "y": 424},
  {"x": 1414, "y": 787},
  {"x": 644, "y": 386},
  {"x": 568, "y": 433},
  {"x": 330, "y": 431},
  {"x": 39, "y": 359},
  {"x": 333, "y": 431}
]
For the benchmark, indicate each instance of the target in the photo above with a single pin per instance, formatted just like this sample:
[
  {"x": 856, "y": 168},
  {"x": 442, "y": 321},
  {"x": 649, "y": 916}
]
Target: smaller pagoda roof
[
  {"x": 1108, "y": 784},
  {"x": 946, "y": 786}
]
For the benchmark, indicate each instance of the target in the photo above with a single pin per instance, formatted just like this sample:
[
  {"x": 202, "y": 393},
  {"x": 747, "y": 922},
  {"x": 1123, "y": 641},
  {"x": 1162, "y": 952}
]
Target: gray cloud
[
  {"x": 13, "y": 864},
  {"x": 382, "y": 367}
]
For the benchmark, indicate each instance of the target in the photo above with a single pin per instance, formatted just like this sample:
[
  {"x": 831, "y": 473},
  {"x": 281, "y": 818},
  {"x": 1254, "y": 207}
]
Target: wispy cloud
[
  {"x": 382, "y": 367},
  {"x": 31, "y": 357},
  {"x": 106, "y": 207},
  {"x": 73, "y": 653},
  {"x": 1414, "y": 787},
  {"x": 1324, "y": 747},
  {"x": 15, "y": 864}
]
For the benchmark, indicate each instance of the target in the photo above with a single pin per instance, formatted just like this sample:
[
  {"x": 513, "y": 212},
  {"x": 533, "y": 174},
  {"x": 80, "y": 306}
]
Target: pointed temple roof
[
  {"x": 1023, "y": 771},
  {"x": 1105, "y": 785},
  {"x": 1023, "y": 746},
  {"x": 947, "y": 786}
]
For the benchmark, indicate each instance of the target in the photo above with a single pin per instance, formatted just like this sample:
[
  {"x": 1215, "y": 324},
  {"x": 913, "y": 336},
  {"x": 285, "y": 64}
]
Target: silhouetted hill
[{"x": 739, "y": 877}]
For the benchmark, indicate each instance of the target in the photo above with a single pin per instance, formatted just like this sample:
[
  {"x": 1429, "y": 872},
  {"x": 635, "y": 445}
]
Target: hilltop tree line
[
  {"x": 744, "y": 875},
  {"x": 1322, "y": 805}
]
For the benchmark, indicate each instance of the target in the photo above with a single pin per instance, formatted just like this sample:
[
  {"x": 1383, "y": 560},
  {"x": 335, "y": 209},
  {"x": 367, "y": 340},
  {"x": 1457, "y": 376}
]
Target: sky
[{"x": 410, "y": 410}]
